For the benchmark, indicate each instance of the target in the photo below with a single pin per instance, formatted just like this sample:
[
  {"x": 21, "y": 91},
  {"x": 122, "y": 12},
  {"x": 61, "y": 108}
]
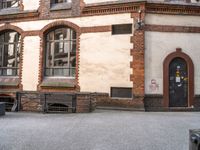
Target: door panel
[{"x": 178, "y": 83}]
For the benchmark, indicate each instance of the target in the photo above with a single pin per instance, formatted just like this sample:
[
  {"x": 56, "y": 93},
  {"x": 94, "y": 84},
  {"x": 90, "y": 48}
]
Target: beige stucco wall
[
  {"x": 31, "y": 4},
  {"x": 176, "y": 20},
  {"x": 195, "y": 1},
  {"x": 104, "y": 61},
  {"x": 158, "y": 46},
  {"x": 82, "y": 21},
  {"x": 104, "y": 58},
  {"x": 30, "y": 63}
]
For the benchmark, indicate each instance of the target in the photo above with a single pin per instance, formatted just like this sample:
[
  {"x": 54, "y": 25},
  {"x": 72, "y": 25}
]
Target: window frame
[
  {"x": 120, "y": 29},
  {"x": 4, "y": 4},
  {"x": 53, "y": 2},
  {"x": 17, "y": 51},
  {"x": 70, "y": 70}
]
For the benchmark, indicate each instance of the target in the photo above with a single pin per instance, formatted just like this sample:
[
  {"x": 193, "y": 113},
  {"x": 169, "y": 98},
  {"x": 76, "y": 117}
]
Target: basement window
[
  {"x": 121, "y": 92},
  {"x": 121, "y": 29}
]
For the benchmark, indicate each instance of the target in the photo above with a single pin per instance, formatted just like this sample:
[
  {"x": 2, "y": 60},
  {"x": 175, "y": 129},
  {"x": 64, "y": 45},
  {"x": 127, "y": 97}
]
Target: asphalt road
[{"x": 100, "y": 130}]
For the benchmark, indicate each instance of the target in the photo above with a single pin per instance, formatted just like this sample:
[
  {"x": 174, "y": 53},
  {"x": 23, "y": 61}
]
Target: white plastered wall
[
  {"x": 30, "y": 63},
  {"x": 104, "y": 61},
  {"x": 104, "y": 58},
  {"x": 81, "y": 22},
  {"x": 31, "y": 4},
  {"x": 176, "y": 20},
  {"x": 158, "y": 46}
]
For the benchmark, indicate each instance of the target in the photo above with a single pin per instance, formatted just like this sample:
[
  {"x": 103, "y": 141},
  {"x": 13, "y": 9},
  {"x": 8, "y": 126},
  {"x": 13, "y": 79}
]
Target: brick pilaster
[{"x": 138, "y": 40}]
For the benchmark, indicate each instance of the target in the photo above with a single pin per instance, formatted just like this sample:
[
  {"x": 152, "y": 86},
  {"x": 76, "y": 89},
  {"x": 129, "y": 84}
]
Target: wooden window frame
[
  {"x": 53, "y": 41},
  {"x": 4, "y": 3},
  {"x": 15, "y": 44}
]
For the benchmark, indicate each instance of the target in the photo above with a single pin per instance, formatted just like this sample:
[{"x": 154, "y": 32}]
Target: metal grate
[
  {"x": 122, "y": 29},
  {"x": 56, "y": 107},
  {"x": 9, "y": 102},
  {"x": 121, "y": 92},
  {"x": 59, "y": 102}
]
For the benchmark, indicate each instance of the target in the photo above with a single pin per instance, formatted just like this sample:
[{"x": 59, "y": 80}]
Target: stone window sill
[
  {"x": 9, "y": 81},
  {"x": 8, "y": 11},
  {"x": 58, "y": 82}
]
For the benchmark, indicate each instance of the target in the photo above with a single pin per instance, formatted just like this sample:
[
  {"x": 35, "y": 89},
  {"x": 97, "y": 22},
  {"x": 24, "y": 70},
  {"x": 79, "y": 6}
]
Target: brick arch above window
[
  {"x": 17, "y": 81},
  {"x": 60, "y": 23},
  {"x": 11, "y": 27}
]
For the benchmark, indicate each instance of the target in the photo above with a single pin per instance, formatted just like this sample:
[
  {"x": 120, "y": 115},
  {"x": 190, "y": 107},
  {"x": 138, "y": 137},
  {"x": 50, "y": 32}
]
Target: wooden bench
[{"x": 2, "y": 109}]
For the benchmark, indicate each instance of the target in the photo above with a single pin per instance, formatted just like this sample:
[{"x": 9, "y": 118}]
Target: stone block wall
[
  {"x": 197, "y": 101},
  {"x": 104, "y": 100},
  {"x": 83, "y": 103},
  {"x": 31, "y": 103},
  {"x": 153, "y": 102}
]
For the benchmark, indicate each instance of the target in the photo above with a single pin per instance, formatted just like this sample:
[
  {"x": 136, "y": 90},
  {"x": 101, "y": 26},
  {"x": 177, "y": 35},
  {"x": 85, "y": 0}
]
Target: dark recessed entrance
[
  {"x": 178, "y": 77},
  {"x": 8, "y": 100},
  {"x": 178, "y": 83}
]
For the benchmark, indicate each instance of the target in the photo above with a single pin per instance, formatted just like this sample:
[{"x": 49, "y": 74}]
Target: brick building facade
[{"x": 141, "y": 55}]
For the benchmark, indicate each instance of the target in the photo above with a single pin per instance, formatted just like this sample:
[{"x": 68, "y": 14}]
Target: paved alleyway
[{"x": 100, "y": 130}]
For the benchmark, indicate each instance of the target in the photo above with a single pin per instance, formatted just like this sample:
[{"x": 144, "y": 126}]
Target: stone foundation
[
  {"x": 31, "y": 102},
  {"x": 34, "y": 102},
  {"x": 197, "y": 101},
  {"x": 156, "y": 103},
  {"x": 153, "y": 102},
  {"x": 103, "y": 99}
]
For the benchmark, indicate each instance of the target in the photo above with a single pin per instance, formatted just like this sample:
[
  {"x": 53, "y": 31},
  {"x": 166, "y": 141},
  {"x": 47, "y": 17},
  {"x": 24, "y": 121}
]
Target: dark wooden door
[{"x": 178, "y": 83}]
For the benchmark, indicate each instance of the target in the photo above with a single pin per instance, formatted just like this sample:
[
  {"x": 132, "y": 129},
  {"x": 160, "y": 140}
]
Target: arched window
[
  {"x": 9, "y": 53},
  {"x": 60, "y": 52}
]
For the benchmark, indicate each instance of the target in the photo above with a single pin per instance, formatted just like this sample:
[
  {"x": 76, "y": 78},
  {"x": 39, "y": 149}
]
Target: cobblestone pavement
[{"x": 100, "y": 130}]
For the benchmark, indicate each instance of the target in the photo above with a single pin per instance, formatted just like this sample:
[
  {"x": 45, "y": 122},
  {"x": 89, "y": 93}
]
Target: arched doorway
[{"x": 178, "y": 80}]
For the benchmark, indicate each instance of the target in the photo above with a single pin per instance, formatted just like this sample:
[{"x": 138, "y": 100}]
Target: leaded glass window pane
[
  {"x": 9, "y": 53},
  {"x": 60, "y": 59},
  {"x": 9, "y": 4}
]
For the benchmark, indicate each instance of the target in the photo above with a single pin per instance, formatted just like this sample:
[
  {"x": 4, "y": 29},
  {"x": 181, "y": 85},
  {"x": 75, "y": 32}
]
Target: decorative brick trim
[
  {"x": 21, "y": 62},
  {"x": 47, "y": 12},
  {"x": 31, "y": 33},
  {"x": 20, "y": 31},
  {"x": 80, "y": 9},
  {"x": 170, "y": 28},
  {"x": 110, "y": 9},
  {"x": 42, "y": 49},
  {"x": 96, "y": 29},
  {"x": 175, "y": 9},
  {"x": 7, "y": 26},
  {"x": 59, "y": 23},
  {"x": 21, "y": 5},
  {"x": 137, "y": 63},
  {"x": 20, "y": 15}
]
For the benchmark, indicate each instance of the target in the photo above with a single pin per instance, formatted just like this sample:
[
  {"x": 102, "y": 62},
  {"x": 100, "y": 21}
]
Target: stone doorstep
[{"x": 172, "y": 109}]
